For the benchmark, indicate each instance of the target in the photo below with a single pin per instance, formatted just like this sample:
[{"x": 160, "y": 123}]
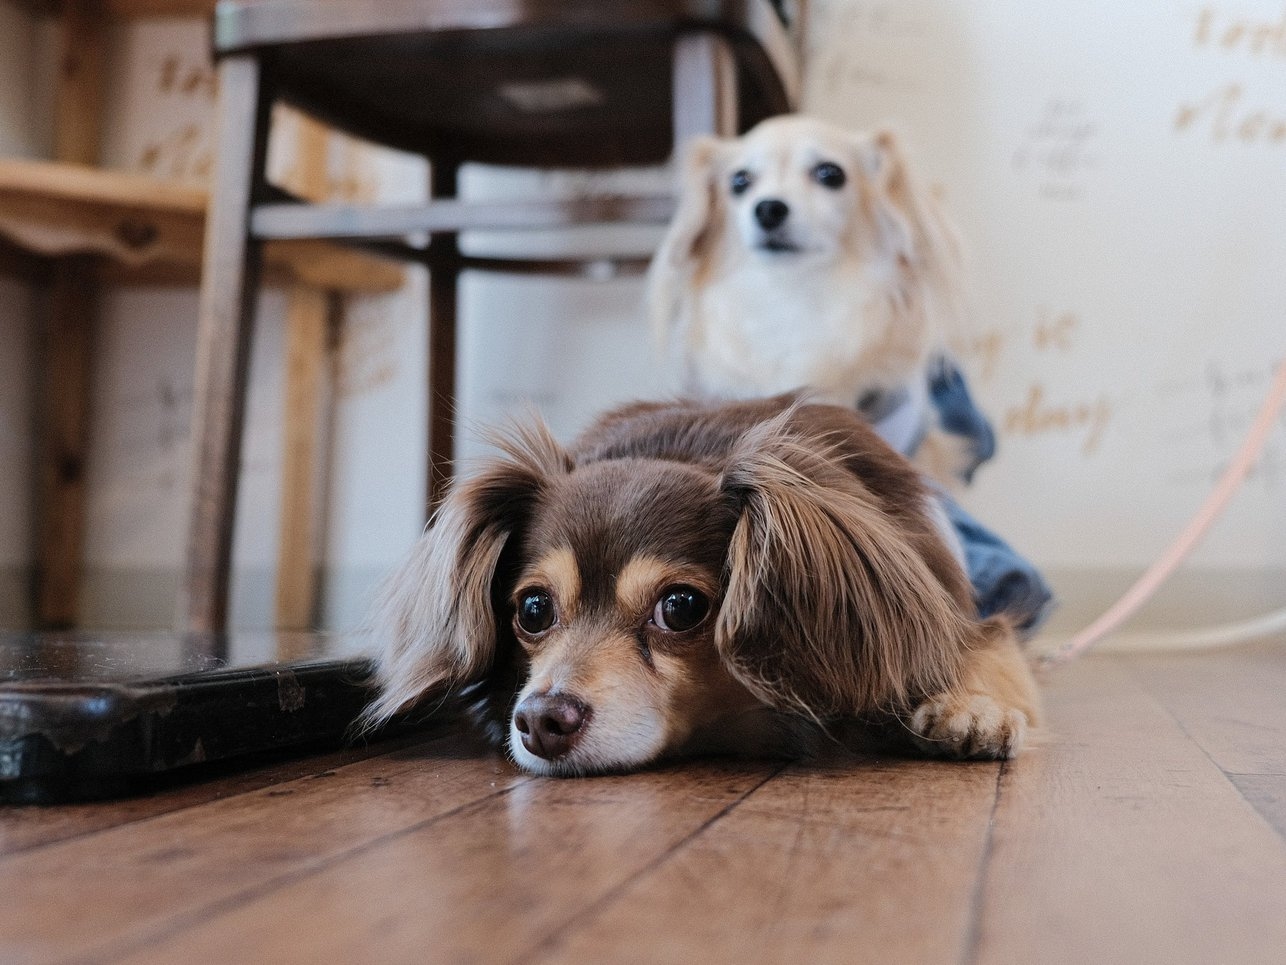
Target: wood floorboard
[
  {"x": 1128, "y": 835},
  {"x": 1267, "y": 793},
  {"x": 485, "y": 884},
  {"x": 860, "y": 861},
  {"x": 91, "y": 895},
  {"x": 27, "y": 827},
  {"x": 1120, "y": 841},
  {"x": 1232, "y": 702}
]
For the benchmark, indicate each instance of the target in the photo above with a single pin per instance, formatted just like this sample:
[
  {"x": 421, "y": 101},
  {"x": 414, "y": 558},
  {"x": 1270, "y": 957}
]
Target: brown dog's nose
[
  {"x": 550, "y": 724},
  {"x": 770, "y": 213}
]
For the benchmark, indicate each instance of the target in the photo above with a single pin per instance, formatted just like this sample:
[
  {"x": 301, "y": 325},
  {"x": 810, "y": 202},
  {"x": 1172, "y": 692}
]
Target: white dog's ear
[
  {"x": 884, "y": 169},
  {"x": 436, "y": 623},
  {"x": 911, "y": 225},
  {"x": 692, "y": 234}
]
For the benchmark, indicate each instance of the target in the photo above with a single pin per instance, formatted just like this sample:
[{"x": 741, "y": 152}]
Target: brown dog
[{"x": 691, "y": 578}]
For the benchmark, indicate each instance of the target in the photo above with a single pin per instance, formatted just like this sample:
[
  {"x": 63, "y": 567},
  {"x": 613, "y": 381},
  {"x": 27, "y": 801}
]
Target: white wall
[
  {"x": 1116, "y": 170},
  {"x": 140, "y": 457}
]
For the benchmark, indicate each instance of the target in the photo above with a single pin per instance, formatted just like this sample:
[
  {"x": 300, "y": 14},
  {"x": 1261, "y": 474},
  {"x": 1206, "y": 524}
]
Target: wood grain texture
[
  {"x": 486, "y": 883},
  {"x": 27, "y": 827},
  {"x": 1117, "y": 839},
  {"x": 137, "y": 883},
  {"x": 126, "y": 8},
  {"x": 349, "y": 221},
  {"x": 82, "y": 57},
  {"x": 308, "y": 323},
  {"x": 64, "y": 390},
  {"x": 158, "y": 8},
  {"x": 1120, "y": 841},
  {"x": 767, "y": 54},
  {"x": 1267, "y": 792},
  {"x": 1220, "y": 699},
  {"x": 56, "y": 209},
  {"x": 62, "y": 401},
  {"x": 229, "y": 283},
  {"x": 792, "y": 872},
  {"x": 444, "y": 304}
]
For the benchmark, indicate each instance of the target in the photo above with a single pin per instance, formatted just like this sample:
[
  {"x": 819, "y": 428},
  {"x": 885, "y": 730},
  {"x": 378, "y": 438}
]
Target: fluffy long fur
[
  {"x": 436, "y": 617},
  {"x": 830, "y": 610},
  {"x": 896, "y": 218},
  {"x": 872, "y": 294},
  {"x": 832, "y": 594}
]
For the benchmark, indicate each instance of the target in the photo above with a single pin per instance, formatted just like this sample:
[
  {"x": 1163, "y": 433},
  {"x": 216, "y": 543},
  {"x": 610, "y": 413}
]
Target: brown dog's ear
[
  {"x": 436, "y": 622},
  {"x": 831, "y": 607},
  {"x": 692, "y": 233}
]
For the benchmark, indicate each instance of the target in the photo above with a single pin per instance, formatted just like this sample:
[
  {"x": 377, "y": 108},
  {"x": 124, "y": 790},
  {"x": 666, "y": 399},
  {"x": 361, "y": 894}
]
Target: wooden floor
[{"x": 1150, "y": 826}]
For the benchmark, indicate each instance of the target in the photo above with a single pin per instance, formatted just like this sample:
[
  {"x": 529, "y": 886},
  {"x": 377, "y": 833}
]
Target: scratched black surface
[{"x": 90, "y": 716}]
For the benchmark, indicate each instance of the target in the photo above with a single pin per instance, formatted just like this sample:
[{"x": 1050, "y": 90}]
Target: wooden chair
[{"x": 535, "y": 83}]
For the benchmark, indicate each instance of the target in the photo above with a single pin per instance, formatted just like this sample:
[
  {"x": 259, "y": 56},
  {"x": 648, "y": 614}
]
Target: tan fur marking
[
  {"x": 643, "y": 577},
  {"x": 558, "y": 572},
  {"x": 993, "y": 708}
]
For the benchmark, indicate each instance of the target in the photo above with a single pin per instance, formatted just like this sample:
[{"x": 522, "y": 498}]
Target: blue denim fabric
[
  {"x": 957, "y": 413},
  {"x": 1003, "y": 581}
]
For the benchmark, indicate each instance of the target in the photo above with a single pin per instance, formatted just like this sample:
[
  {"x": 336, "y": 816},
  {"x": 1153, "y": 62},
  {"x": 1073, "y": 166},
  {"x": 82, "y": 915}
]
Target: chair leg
[
  {"x": 229, "y": 279},
  {"x": 705, "y": 88},
  {"x": 444, "y": 277},
  {"x": 63, "y": 403}
]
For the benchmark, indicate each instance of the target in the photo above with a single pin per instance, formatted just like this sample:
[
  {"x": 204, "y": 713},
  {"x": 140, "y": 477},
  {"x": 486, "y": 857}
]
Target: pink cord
[{"x": 1214, "y": 505}]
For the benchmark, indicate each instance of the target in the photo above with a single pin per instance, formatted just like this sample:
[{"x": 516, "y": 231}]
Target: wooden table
[{"x": 1149, "y": 826}]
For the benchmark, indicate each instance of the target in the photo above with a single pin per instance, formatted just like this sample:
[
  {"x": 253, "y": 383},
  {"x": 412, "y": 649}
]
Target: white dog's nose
[{"x": 771, "y": 213}]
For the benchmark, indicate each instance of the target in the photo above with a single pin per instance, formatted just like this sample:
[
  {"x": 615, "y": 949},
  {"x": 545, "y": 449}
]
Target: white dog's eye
[
  {"x": 680, "y": 608},
  {"x": 829, "y": 175},
  {"x": 740, "y": 181},
  {"x": 535, "y": 611}
]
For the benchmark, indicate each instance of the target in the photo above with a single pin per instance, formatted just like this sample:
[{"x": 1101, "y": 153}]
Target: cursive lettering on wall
[
  {"x": 1037, "y": 414},
  {"x": 1234, "y": 33},
  {"x": 1230, "y": 113},
  {"x": 182, "y": 152},
  {"x": 1059, "y": 150}
]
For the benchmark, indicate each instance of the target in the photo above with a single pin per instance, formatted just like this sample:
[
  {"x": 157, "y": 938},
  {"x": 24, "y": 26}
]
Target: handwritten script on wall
[
  {"x": 1058, "y": 150},
  {"x": 1038, "y": 409},
  {"x": 1226, "y": 398},
  {"x": 182, "y": 151},
  {"x": 1234, "y": 112}
]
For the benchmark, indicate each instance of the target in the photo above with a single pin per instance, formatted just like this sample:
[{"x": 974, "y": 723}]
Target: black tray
[{"x": 90, "y": 716}]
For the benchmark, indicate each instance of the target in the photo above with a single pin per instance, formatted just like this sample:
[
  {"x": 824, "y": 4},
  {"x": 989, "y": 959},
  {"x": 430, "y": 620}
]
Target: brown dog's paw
[{"x": 972, "y": 726}]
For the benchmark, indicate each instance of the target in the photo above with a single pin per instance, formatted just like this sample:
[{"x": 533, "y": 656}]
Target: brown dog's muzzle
[{"x": 550, "y": 724}]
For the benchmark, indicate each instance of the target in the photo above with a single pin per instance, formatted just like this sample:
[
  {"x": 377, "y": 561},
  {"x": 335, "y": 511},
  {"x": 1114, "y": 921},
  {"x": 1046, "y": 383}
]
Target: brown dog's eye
[
  {"x": 535, "y": 611},
  {"x": 680, "y": 608},
  {"x": 829, "y": 175},
  {"x": 740, "y": 181}
]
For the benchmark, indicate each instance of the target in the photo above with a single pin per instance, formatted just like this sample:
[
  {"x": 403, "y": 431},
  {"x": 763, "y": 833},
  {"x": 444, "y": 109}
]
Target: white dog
[{"x": 806, "y": 256}]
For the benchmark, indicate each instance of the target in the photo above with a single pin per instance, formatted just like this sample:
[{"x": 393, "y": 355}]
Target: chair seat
[{"x": 558, "y": 83}]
